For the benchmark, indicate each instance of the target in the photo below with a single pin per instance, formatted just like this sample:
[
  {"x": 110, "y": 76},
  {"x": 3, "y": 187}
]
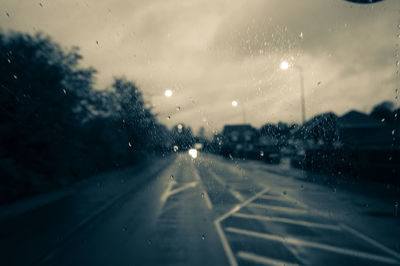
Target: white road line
[
  {"x": 370, "y": 240},
  {"x": 243, "y": 204},
  {"x": 186, "y": 186},
  {"x": 221, "y": 234},
  {"x": 277, "y": 208},
  {"x": 273, "y": 197},
  {"x": 225, "y": 244},
  {"x": 287, "y": 221},
  {"x": 299, "y": 242},
  {"x": 234, "y": 193},
  {"x": 165, "y": 195},
  {"x": 263, "y": 260},
  {"x": 205, "y": 194},
  {"x": 168, "y": 192}
]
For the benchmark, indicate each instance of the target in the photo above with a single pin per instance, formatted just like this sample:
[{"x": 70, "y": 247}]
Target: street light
[
  {"x": 168, "y": 93},
  {"x": 284, "y": 66},
  {"x": 235, "y": 104}
]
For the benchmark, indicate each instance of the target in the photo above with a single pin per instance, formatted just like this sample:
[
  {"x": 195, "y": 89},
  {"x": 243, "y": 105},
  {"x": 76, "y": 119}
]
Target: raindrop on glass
[
  {"x": 130, "y": 144},
  {"x": 301, "y": 35},
  {"x": 203, "y": 237},
  {"x": 176, "y": 148},
  {"x": 172, "y": 177},
  {"x": 178, "y": 108},
  {"x": 149, "y": 242},
  {"x": 202, "y": 195},
  {"x": 284, "y": 192},
  {"x": 15, "y": 77},
  {"x": 8, "y": 14},
  {"x": 9, "y": 61},
  {"x": 65, "y": 91}
]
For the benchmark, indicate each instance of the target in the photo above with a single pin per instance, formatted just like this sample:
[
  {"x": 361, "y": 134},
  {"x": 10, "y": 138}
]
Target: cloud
[{"x": 210, "y": 53}]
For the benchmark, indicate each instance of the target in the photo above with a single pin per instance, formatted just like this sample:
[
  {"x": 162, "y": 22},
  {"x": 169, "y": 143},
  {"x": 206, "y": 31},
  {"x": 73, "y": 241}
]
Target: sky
[{"x": 210, "y": 53}]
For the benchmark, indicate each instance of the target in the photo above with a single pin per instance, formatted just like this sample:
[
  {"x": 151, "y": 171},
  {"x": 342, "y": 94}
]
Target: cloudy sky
[{"x": 210, "y": 53}]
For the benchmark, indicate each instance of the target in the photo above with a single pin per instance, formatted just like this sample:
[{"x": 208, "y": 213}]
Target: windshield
[{"x": 199, "y": 132}]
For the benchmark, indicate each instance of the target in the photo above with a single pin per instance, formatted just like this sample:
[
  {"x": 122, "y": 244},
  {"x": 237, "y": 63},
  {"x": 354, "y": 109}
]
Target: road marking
[
  {"x": 370, "y": 240},
  {"x": 299, "y": 242},
  {"x": 263, "y": 260},
  {"x": 165, "y": 195},
  {"x": 243, "y": 204},
  {"x": 205, "y": 194},
  {"x": 234, "y": 193},
  {"x": 168, "y": 192},
  {"x": 221, "y": 234},
  {"x": 225, "y": 244},
  {"x": 277, "y": 208},
  {"x": 288, "y": 221}
]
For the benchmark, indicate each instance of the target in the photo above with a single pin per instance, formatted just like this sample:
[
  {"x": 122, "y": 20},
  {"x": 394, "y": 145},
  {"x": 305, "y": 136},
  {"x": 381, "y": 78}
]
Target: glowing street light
[
  {"x": 235, "y": 104},
  {"x": 168, "y": 93},
  {"x": 284, "y": 66}
]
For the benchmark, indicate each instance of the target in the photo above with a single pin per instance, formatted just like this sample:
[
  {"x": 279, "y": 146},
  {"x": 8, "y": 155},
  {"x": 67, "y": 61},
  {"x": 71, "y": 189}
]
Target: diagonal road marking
[
  {"x": 304, "y": 243},
  {"x": 277, "y": 208},
  {"x": 233, "y": 192},
  {"x": 287, "y": 221}
]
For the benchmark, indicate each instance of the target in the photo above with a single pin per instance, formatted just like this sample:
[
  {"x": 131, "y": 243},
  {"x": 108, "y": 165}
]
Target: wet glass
[{"x": 199, "y": 132}]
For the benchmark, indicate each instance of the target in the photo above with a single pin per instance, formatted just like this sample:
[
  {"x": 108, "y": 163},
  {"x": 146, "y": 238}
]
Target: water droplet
[
  {"x": 393, "y": 131},
  {"x": 301, "y": 186},
  {"x": 9, "y": 61},
  {"x": 397, "y": 63},
  {"x": 40, "y": 4},
  {"x": 284, "y": 192},
  {"x": 176, "y": 148},
  {"x": 383, "y": 120},
  {"x": 301, "y": 35},
  {"x": 149, "y": 242},
  {"x": 97, "y": 42},
  {"x": 178, "y": 108},
  {"x": 172, "y": 177},
  {"x": 124, "y": 229},
  {"x": 202, "y": 195},
  {"x": 65, "y": 91},
  {"x": 7, "y": 14},
  {"x": 203, "y": 237},
  {"x": 130, "y": 144},
  {"x": 390, "y": 158},
  {"x": 15, "y": 76},
  {"x": 319, "y": 83},
  {"x": 169, "y": 117},
  {"x": 261, "y": 153}
]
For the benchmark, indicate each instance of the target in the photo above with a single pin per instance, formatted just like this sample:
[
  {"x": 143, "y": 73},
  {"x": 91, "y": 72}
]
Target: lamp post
[
  {"x": 235, "y": 104},
  {"x": 284, "y": 66}
]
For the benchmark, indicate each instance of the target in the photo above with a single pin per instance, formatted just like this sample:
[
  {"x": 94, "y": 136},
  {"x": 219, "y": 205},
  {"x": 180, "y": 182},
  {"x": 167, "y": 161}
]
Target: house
[{"x": 239, "y": 140}]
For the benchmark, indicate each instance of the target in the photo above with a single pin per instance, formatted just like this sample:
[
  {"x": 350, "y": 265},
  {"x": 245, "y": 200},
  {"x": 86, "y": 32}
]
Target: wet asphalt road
[{"x": 206, "y": 211}]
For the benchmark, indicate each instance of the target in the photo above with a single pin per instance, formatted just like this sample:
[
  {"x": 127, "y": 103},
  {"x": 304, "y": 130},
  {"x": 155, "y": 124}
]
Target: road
[{"x": 203, "y": 211}]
